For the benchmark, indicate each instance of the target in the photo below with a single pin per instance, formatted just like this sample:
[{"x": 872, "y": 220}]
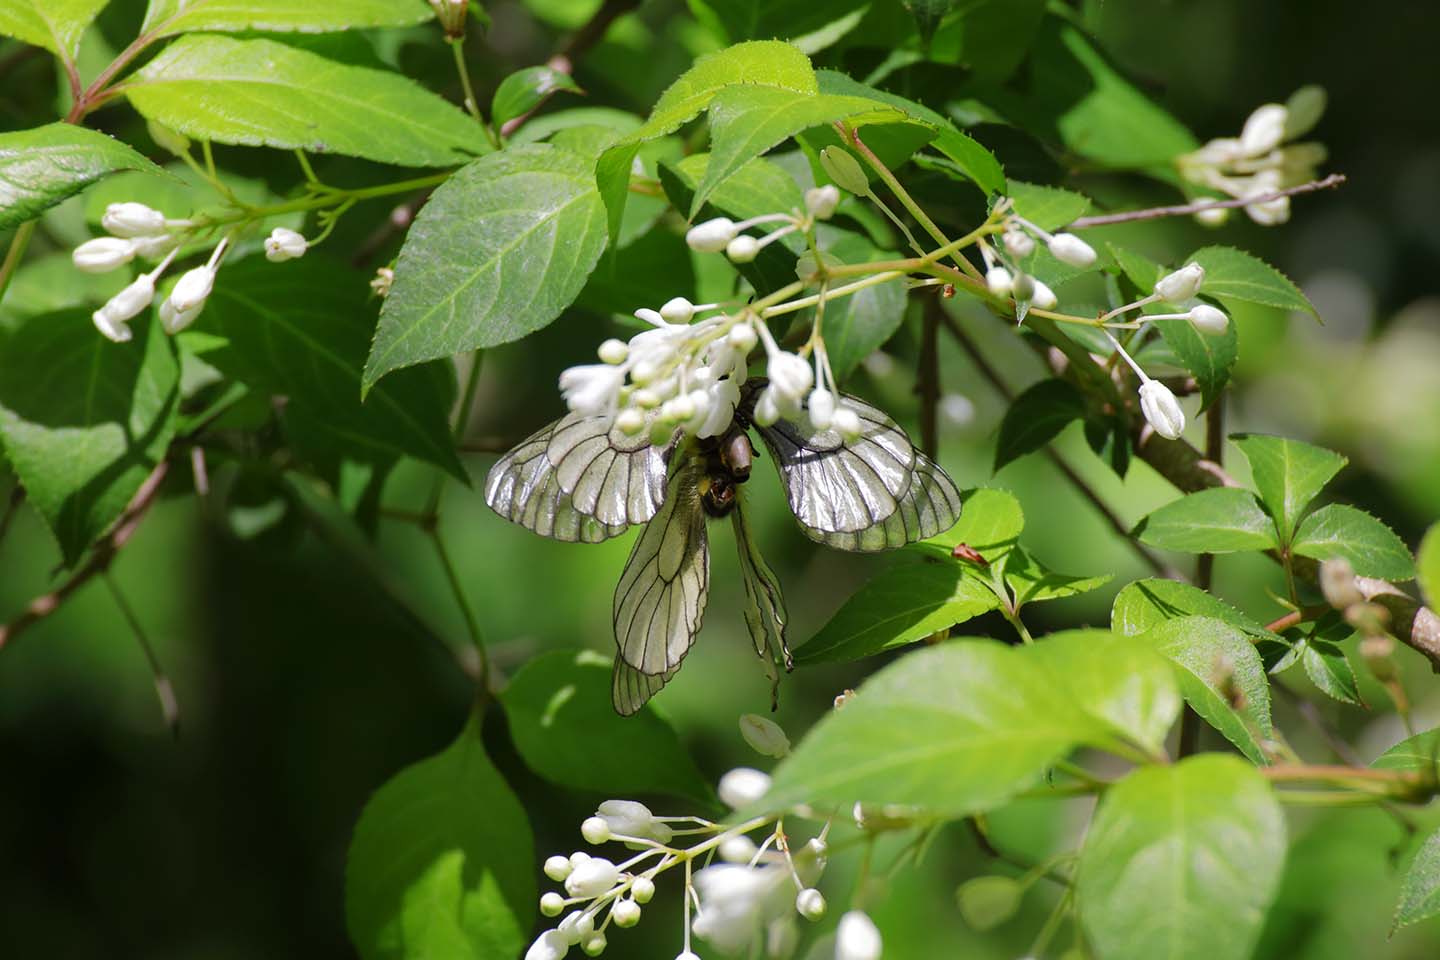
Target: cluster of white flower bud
[
  {"x": 1005, "y": 275},
  {"x": 1257, "y": 163},
  {"x": 722, "y": 233}
]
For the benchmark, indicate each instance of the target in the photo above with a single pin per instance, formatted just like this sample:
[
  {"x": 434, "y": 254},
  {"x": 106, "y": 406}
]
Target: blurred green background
[{"x": 303, "y": 687}]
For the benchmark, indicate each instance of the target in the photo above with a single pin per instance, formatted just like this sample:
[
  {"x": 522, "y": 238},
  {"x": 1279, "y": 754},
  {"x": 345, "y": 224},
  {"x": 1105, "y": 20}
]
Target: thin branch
[
  {"x": 164, "y": 690},
  {"x": 17, "y": 497},
  {"x": 595, "y": 28},
  {"x": 1311, "y": 715},
  {"x": 927, "y": 381},
  {"x": 1186, "y": 209}
]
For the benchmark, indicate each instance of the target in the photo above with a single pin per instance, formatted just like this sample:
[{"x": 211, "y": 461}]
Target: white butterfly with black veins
[{"x": 580, "y": 479}]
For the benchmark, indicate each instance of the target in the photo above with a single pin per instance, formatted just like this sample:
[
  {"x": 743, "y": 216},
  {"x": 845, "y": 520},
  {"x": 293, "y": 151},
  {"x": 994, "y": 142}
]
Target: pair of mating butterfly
[{"x": 581, "y": 479}]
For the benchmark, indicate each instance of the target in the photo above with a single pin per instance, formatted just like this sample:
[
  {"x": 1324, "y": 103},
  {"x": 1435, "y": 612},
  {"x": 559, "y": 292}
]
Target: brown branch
[
  {"x": 1186, "y": 209},
  {"x": 101, "y": 556},
  {"x": 927, "y": 379}
]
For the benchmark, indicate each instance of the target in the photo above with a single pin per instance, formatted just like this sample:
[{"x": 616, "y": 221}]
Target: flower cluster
[
  {"x": 1003, "y": 274},
  {"x": 1256, "y": 164},
  {"x": 140, "y": 231},
  {"x": 722, "y": 233}
]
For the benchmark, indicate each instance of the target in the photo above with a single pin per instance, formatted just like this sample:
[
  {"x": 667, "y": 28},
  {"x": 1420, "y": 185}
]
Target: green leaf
[
  {"x": 1372, "y": 548},
  {"x": 929, "y": 13},
  {"x": 1303, "y": 110},
  {"x": 1328, "y": 668},
  {"x": 442, "y": 864},
  {"x": 1171, "y": 851},
  {"x": 301, "y": 330},
  {"x": 1420, "y": 890},
  {"x": 904, "y": 604},
  {"x": 1420, "y": 753},
  {"x": 990, "y": 522},
  {"x": 558, "y": 708},
  {"x": 1146, "y": 603},
  {"x": 166, "y": 17},
  {"x": 524, "y": 90},
  {"x": 1427, "y": 566},
  {"x": 1209, "y": 357},
  {"x": 50, "y": 283},
  {"x": 263, "y": 93},
  {"x": 500, "y": 249},
  {"x": 56, "y": 25},
  {"x": 41, "y": 167},
  {"x": 1288, "y": 474},
  {"x": 1232, "y": 274},
  {"x": 1219, "y": 520},
  {"x": 1031, "y": 582},
  {"x": 987, "y": 902},
  {"x": 785, "y": 19},
  {"x": 1221, "y": 676},
  {"x": 858, "y": 325},
  {"x": 1118, "y": 683},
  {"x": 83, "y": 421},
  {"x": 762, "y": 63},
  {"x": 1142, "y": 271},
  {"x": 1036, "y": 417},
  {"x": 1049, "y": 208}
]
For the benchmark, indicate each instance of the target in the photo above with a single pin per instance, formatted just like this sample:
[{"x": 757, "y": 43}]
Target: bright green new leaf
[
  {"x": 263, "y": 93},
  {"x": 1420, "y": 892},
  {"x": 41, "y": 167},
  {"x": 1427, "y": 566},
  {"x": 1031, "y": 582},
  {"x": 1288, "y": 474},
  {"x": 500, "y": 249},
  {"x": 1329, "y": 669},
  {"x": 558, "y": 708},
  {"x": 524, "y": 90},
  {"x": 1049, "y": 208},
  {"x": 903, "y": 605},
  {"x": 990, "y": 523},
  {"x": 1208, "y": 356},
  {"x": 1221, "y": 677},
  {"x": 301, "y": 330},
  {"x": 1232, "y": 274},
  {"x": 1036, "y": 417},
  {"x": 1420, "y": 753},
  {"x": 1146, "y": 603},
  {"x": 1219, "y": 520},
  {"x": 1118, "y": 683},
  {"x": 56, "y": 25},
  {"x": 1372, "y": 548},
  {"x": 442, "y": 862},
  {"x": 166, "y": 17},
  {"x": 83, "y": 421},
  {"x": 1181, "y": 862}
]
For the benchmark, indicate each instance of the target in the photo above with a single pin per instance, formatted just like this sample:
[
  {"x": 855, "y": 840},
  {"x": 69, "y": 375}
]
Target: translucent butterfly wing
[
  {"x": 929, "y": 507},
  {"x": 630, "y": 689},
  {"x": 660, "y": 599},
  {"x": 764, "y": 603}
]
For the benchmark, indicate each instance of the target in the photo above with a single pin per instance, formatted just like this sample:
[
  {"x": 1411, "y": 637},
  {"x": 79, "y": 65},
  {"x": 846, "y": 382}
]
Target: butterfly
[{"x": 580, "y": 479}]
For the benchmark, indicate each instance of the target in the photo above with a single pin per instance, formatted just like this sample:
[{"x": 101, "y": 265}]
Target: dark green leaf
[
  {"x": 1372, "y": 548},
  {"x": 51, "y": 283},
  {"x": 498, "y": 251},
  {"x": 1427, "y": 566},
  {"x": 1219, "y": 520},
  {"x": 1288, "y": 475},
  {"x": 1049, "y": 208},
  {"x": 41, "y": 167},
  {"x": 263, "y": 93},
  {"x": 1031, "y": 582},
  {"x": 1036, "y": 417},
  {"x": 1330, "y": 671},
  {"x": 1208, "y": 356},
  {"x": 858, "y": 325},
  {"x": 166, "y": 17},
  {"x": 442, "y": 864},
  {"x": 55, "y": 25},
  {"x": 1232, "y": 274},
  {"x": 1420, "y": 891},
  {"x": 1170, "y": 851},
  {"x": 929, "y": 13},
  {"x": 524, "y": 90},
  {"x": 83, "y": 420}
]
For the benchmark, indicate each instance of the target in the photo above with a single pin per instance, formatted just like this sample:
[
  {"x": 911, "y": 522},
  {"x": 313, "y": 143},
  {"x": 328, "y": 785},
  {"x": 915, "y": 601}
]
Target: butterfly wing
[
  {"x": 929, "y": 507},
  {"x": 764, "y": 603},
  {"x": 630, "y": 689}
]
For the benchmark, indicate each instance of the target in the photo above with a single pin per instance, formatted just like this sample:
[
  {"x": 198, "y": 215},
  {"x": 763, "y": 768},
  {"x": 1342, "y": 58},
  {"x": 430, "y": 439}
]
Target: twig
[
  {"x": 100, "y": 557},
  {"x": 1311, "y": 715},
  {"x": 17, "y": 497},
  {"x": 164, "y": 690},
  {"x": 927, "y": 381},
  {"x": 595, "y": 28},
  {"x": 1185, "y": 209}
]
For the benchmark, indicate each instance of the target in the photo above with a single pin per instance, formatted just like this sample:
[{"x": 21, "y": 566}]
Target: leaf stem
[
  {"x": 457, "y": 47},
  {"x": 164, "y": 690},
  {"x": 18, "y": 243}
]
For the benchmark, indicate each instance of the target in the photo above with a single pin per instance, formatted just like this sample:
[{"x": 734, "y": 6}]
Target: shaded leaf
[
  {"x": 1219, "y": 520},
  {"x": 1049, "y": 208},
  {"x": 1036, "y": 417},
  {"x": 1328, "y": 668},
  {"x": 524, "y": 90},
  {"x": 1288, "y": 474},
  {"x": 41, "y": 167},
  {"x": 1232, "y": 274},
  {"x": 1372, "y": 548},
  {"x": 1420, "y": 891},
  {"x": 1031, "y": 582},
  {"x": 166, "y": 17},
  {"x": 783, "y": 19},
  {"x": 1208, "y": 356},
  {"x": 1427, "y": 566}
]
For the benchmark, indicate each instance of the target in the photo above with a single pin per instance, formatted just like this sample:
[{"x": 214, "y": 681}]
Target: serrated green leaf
[
  {"x": 1142, "y": 271},
  {"x": 1420, "y": 753},
  {"x": 166, "y": 17},
  {"x": 263, "y": 93},
  {"x": 903, "y": 605},
  {"x": 301, "y": 330},
  {"x": 41, "y": 167},
  {"x": 1328, "y": 668},
  {"x": 858, "y": 325},
  {"x": 1420, "y": 890},
  {"x": 1232, "y": 274},
  {"x": 794, "y": 20},
  {"x": 1036, "y": 417},
  {"x": 1170, "y": 849},
  {"x": 524, "y": 90},
  {"x": 1146, "y": 603},
  {"x": 560, "y": 717},
  {"x": 1208, "y": 356},
  {"x": 1288, "y": 474},
  {"x": 1031, "y": 582},
  {"x": 1049, "y": 208},
  {"x": 1427, "y": 566},
  {"x": 1117, "y": 682},
  {"x": 1219, "y": 520},
  {"x": 500, "y": 249},
  {"x": 83, "y": 421},
  {"x": 990, "y": 522},
  {"x": 56, "y": 25},
  {"x": 441, "y": 863},
  {"x": 1372, "y": 548},
  {"x": 764, "y": 63}
]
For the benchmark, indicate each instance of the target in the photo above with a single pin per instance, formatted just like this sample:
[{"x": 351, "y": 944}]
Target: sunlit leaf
[
  {"x": 1420, "y": 892},
  {"x": 1232, "y": 274},
  {"x": 41, "y": 167},
  {"x": 1340, "y": 530},
  {"x": 56, "y": 25},
  {"x": 165, "y": 17},
  {"x": 1219, "y": 520},
  {"x": 524, "y": 90},
  {"x": 1288, "y": 474}
]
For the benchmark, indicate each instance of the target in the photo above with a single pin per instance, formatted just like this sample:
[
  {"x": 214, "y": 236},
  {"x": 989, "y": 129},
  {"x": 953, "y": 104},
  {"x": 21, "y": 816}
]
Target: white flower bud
[
  {"x": 822, "y": 201},
  {"x": 192, "y": 288},
  {"x": 649, "y": 316},
  {"x": 111, "y": 319},
  {"x": 629, "y": 818},
  {"x": 763, "y": 734},
  {"x": 552, "y": 904},
  {"x": 767, "y": 411},
  {"x": 742, "y": 249},
  {"x": 594, "y": 944},
  {"x": 550, "y": 945},
  {"x": 810, "y": 904},
  {"x": 1208, "y": 319},
  {"x": 737, "y": 849},
  {"x": 117, "y": 331},
  {"x": 857, "y": 938},
  {"x": 591, "y": 388},
  {"x": 1162, "y": 411},
  {"x": 678, "y": 310},
  {"x": 999, "y": 281},
  {"x": 584, "y": 924},
  {"x": 847, "y": 424},
  {"x": 595, "y": 830},
  {"x": 613, "y": 351},
  {"x": 821, "y": 407},
  {"x": 1018, "y": 243},
  {"x": 1070, "y": 249},
  {"x": 1182, "y": 284},
  {"x": 577, "y": 858},
  {"x": 625, "y": 913},
  {"x": 1213, "y": 216},
  {"x": 712, "y": 236},
  {"x": 103, "y": 254},
  {"x": 570, "y": 928},
  {"x": 845, "y": 170},
  {"x": 687, "y": 955},
  {"x": 153, "y": 248},
  {"x": 557, "y": 868},
  {"x": 790, "y": 375},
  {"x": 591, "y": 878},
  {"x": 1044, "y": 298},
  {"x": 743, "y": 786},
  {"x": 284, "y": 244},
  {"x": 1022, "y": 287},
  {"x": 1270, "y": 213},
  {"x": 645, "y": 399},
  {"x": 742, "y": 337},
  {"x": 677, "y": 409},
  {"x": 133, "y": 220},
  {"x": 173, "y": 321},
  {"x": 642, "y": 889},
  {"x": 1264, "y": 129}
]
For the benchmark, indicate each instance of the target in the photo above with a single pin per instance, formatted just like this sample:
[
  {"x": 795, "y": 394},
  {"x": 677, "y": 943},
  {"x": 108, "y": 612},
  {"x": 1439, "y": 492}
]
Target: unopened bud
[
  {"x": 810, "y": 903},
  {"x": 1212, "y": 216},
  {"x": 1022, "y": 287},
  {"x": 677, "y": 310},
  {"x": 1337, "y": 583},
  {"x": 1070, "y": 249},
  {"x": 630, "y": 421},
  {"x": 284, "y": 244},
  {"x": 625, "y": 913},
  {"x": 552, "y": 904},
  {"x": 846, "y": 422},
  {"x": 742, "y": 249},
  {"x": 593, "y": 944},
  {"x": 822, "y": 201},
  {"x": 1182, "y": 284},
  {"x": 103, "y": 254},
  {"x": 737, "y": 849},
  {"x": 857, "y": 938},
  {"x": 1264, "y": 129},
  {"x": 1208, "y": 319},
  {"x": 845, "y": 170},
  {"x": 1376, "y": 650},
  {"x": 821, "y": 407},
  {"x": 133, "y": 220},
  {"x": 743, "y": 786},
  {"x": 613, "y": 351},
  {"x": 642, "y": 889},
  {"x": 192, "y": 288},
  {"x": 1044, "y": 298},
  {"x": 999, "y": 281},
  {"x": 1018, "y": 243},
  {"x": 557, "y": 868},
  {"x": 1161, "y": 409},
  {"x": 111, "y": 319},
  {"x": 742, "y": 337},
  {"x": 173, "y": 320},
  {"x": 711, "y": 236},
  {"x": 595, "y": 830},
  {"x": 451, "y": 16}
]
